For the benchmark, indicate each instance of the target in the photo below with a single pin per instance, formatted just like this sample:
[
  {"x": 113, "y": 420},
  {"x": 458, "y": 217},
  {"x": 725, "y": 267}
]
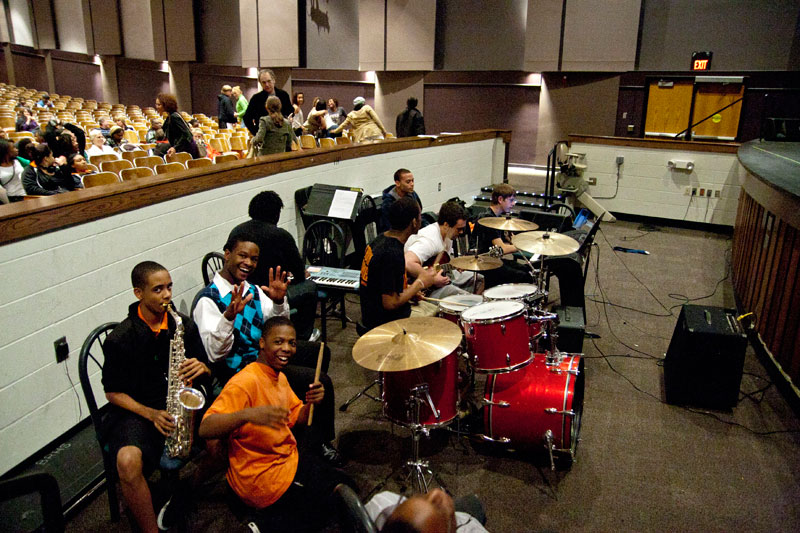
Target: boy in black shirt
[
  {"x": 134, "y": 378},
  {"x": 384, "y": 291}
]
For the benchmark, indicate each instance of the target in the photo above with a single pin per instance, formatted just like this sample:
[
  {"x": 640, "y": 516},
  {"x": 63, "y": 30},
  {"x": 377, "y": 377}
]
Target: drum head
[
  {"x": 510, "y": 291},
  {"x": 491, "y": 311},
  {"x": 460, "y": 302}
]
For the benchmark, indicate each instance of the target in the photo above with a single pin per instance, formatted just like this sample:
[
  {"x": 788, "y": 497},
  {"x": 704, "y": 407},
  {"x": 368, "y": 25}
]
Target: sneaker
[
  {"x": 331, "y": 455},
  {"x": 315, "y": 335},
  {"x": 169, "y": 514}
]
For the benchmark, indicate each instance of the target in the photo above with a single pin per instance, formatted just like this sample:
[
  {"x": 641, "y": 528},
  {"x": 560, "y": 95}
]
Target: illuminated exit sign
[{"x": 701, "y": 60}]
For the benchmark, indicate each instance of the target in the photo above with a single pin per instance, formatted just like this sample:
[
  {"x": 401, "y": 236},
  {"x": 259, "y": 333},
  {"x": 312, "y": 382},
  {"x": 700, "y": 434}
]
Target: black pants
[
  {"x": 300, "y": 374},
  {"x": 307, "y": 505},
  {"x": 510, "y": 272},
  {"x": 303, "y": 298}
]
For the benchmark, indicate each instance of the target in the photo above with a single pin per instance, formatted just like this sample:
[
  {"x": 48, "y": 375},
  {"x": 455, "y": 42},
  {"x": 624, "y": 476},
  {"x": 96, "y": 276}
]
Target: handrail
[{"x": 22, "y": 220}]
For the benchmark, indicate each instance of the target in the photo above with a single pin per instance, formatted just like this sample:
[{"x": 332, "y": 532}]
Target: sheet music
[{"x": 342, "y": 204}]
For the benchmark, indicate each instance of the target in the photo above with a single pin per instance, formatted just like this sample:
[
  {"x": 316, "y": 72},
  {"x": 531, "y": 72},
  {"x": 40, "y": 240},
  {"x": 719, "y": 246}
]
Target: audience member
[
  {"x": 275, "y": 133},
  {"x": 335, "y": 113},
  {"x": 316, "y": 123},
  {"x": 265, "y": 212},
  {"x": 194, "y": 123},
  {"x": 120, "y": 121},
  {"x": 410, "y": 123},
  {"x": 225, "y": 111},
  {"x": 297, "y": 115},
  {"x": 162, "y": 144},
  {"x": 64, "y": 138},
  {"x": 384, "y": 290},
  {"x": 43, "y": 177},
  {"x": 257, "y": 107},
  {"x": 11, "y": 172},
  {"x": 135, "y": 376},
  {"x": 272, "y": 466},
  {"x": 116, "y": 138},
  {"x": 44, "y": 101},
  {"x": 364, "y": 123},
  {"x": 24, "y": 151},
  {"x": 99, "y": 146},
  {"x": 105, "y": 125},
  {"x": 175, "y": 128},
  {"x": 434, "y": 512},
  {"x": 403, "y": 186},
  {"x": 25, "y": 120},
  {"x": 155, "y": 125},
  {"x": 240, "y": 103},
  {"x": 77, "y": 167}
]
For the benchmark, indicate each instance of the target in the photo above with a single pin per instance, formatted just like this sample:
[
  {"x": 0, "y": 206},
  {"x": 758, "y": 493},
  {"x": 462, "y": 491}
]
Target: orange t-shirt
[{"x": 262, "y": 460}]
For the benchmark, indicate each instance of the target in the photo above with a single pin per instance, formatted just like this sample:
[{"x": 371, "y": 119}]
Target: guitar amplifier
[
  {"x": 705, "y": 359},
  {"x": 571, "y": 328}
]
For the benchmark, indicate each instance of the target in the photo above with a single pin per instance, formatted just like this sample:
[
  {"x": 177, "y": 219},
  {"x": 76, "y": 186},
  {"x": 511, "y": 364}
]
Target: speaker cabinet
[
  {"x": 705, "y": 359},
  {"x": 570, "y": 328}
]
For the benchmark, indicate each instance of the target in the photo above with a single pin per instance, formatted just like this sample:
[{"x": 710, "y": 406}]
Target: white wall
[
  {"x": 69, "y": 281},
  {"x": 648, "y": 187}
]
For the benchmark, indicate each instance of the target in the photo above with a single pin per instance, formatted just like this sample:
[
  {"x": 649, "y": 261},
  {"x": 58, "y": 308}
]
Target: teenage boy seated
[
  {"x": 135, "y": 381},
  {"x": 257, "y": 412},
  {"x": 230, "y": 315}
]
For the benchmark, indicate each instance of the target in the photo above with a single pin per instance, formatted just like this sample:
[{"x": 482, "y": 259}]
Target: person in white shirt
[
  {"x": 99, "y": 146},
  {"x": 433, "y": 244},
  {"x": 434, "y": 512}
]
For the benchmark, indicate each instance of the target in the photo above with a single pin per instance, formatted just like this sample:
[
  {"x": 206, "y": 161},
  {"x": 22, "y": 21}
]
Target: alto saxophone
[{"x": 182, "y": 401}]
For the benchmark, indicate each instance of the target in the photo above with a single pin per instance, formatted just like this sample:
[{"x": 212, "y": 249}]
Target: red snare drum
[
  {"x": 522, "y": 406},
  {"x": 497, "y": 336},
  {"x": 452, "y": 306},
  {"x": 442, "y": 380},
  {"x": 542, "y": 324}
]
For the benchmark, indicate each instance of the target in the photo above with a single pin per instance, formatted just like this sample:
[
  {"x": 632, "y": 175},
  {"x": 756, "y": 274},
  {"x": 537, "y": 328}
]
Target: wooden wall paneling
[
  {"x": 785, "y": 279},
  {"x": 768, "y": 289},
  {"x": 783, "y": 347},
  {"x": 77, "y": 78},
  {"x": 668, "y": 107},
  {"x": 766, "y": 237}
]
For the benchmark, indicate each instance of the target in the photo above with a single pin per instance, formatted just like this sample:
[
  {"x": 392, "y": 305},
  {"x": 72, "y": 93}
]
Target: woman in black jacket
[
  {"x": 177, "y": 130},
  {"x": 43, "y": 177}
]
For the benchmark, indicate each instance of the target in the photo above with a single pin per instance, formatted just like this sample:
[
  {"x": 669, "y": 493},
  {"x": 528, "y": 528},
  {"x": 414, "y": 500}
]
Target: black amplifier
[
  {"x": 705, "y": 359},
  {"x": 571, "y": 328}
]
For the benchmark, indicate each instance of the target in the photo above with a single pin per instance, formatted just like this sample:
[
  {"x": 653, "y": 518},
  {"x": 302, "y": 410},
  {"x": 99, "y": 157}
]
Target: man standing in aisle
[{"x": 257, "y": 107}]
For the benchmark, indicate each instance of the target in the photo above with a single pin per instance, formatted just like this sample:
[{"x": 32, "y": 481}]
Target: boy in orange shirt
[{"x": 256, "y": 412}]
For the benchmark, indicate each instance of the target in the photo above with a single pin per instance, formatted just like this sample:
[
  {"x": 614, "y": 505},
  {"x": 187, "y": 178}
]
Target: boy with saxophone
[{"x": 135, "y": 376}]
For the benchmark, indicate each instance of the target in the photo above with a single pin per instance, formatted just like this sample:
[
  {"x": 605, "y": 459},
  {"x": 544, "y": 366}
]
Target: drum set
[{"x": 533, "y": 392}]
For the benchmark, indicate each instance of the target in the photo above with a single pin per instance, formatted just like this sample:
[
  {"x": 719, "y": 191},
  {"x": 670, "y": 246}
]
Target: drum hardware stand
[
  {"x": 419, "y": 468},
  {"x": 548, "y": 439},
  {"x": 364, "y": 392}
]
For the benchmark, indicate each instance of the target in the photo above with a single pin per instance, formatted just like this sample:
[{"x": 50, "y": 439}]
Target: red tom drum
[
  {"x": 497, "y": 336},
  {"x": 522, "y": 406},
  {"x": 441, "y": 378}
]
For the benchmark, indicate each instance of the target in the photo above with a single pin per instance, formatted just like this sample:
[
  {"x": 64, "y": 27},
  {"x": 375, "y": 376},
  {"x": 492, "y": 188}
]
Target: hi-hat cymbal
[
  {"x": 545, "y": 243},
  {"x": 472, "y": 262},
  {"x": 407, "y": 344},
  {"x": 508, "y": 224}
]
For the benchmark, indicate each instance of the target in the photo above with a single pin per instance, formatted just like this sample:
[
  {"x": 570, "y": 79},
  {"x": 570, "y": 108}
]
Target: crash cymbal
[
  {"x": 545, "y": 243},
  {"x": 407, "y": 344},
  {"x": 508, "y": 224},
  {"x": 480, "y": 262}
]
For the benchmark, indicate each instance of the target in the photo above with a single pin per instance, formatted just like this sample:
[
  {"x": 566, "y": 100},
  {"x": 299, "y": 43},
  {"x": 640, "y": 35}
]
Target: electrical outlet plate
[
  {"x": 592, "y": 181},
  {"x": 62, "y": 349}
]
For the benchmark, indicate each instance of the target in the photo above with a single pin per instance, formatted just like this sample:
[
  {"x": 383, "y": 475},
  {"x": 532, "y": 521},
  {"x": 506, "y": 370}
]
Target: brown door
[
  {"x": 710, "y": 98},
  {"x": 668, "y": 107}
]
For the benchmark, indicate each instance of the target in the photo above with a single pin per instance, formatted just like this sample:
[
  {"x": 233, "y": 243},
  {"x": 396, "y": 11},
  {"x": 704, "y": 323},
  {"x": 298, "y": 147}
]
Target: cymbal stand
[{"x": 419, "y": 471}]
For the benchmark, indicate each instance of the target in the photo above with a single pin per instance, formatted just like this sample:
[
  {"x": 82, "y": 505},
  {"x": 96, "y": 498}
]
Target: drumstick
[
  {"x": 438, "y": 300},
  {"x": 316, "y": 378}
]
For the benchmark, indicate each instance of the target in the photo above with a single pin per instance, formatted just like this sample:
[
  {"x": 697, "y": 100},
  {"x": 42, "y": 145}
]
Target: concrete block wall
[
  {"x": 67, "y": 282},
  {"x": 647, "y": 186}
]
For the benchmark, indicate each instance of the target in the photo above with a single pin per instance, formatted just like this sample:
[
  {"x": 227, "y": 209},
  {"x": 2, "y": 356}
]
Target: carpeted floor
[{"x": 641, "y": 464}]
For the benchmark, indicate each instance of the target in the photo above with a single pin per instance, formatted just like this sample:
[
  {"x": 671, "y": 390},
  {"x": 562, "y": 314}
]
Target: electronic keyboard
[{"x": 335, "y": 278}]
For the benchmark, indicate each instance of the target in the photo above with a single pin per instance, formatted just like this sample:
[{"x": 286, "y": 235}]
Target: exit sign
[{"x": 701, "y": 60}]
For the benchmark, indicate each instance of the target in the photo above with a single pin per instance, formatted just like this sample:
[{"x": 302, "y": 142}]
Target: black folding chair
[
  {"x": 212, "y": 262},
  {"x": 50, "y": 497},
  {"x": 324, "y": 245}
]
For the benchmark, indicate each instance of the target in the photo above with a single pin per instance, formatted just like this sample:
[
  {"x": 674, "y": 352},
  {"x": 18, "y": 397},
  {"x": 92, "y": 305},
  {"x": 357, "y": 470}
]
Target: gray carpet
[{"x": 641, "y": 465}]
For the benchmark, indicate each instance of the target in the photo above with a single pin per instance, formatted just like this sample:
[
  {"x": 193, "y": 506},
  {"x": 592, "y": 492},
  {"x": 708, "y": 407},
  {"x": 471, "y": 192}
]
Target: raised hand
[
  {"x": 278, "y": 284},
  {"x": 237, "y": 302}
]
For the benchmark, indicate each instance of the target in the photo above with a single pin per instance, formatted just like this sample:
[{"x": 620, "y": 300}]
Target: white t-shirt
[
  {"x": 428, "y": 242},
  {"x": 382, "y": 505},
  {"x": 94, "y": 150},
  {"x": 11, "y": 179}
]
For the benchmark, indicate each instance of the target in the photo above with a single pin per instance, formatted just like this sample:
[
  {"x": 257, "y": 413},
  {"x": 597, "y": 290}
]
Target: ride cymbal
[
  {"x": 508, "y": 224},
  {"x": 545, "y": 243},
  {"x": 407, "y": 344},
  {"x": 479, "y": 262}
]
